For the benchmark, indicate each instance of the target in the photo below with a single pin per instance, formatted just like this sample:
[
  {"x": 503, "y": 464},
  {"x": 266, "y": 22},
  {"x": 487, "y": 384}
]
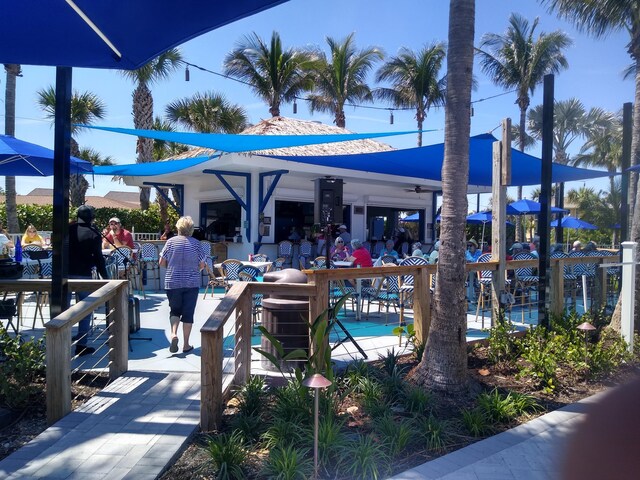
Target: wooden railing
[
  {"x": 58, "y": 334},
  {"x": 216, "y": 387}
]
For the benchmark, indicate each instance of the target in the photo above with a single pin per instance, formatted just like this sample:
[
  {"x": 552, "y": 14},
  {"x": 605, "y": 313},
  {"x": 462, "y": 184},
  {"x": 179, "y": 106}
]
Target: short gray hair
[
  {"x": 355, "y": 243},
  {"x": 185, "y": 226}
]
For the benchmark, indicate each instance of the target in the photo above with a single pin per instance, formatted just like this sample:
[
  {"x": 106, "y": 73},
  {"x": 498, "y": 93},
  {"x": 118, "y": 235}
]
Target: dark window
[{"x": 220, "y": 219}]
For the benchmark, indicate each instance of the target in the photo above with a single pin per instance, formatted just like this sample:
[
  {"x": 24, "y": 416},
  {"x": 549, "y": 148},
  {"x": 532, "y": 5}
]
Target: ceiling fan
[{"x": 416, "y": 189}]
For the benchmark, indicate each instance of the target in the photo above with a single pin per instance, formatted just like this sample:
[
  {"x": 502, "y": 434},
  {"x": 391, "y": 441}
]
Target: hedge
[{"x": 41, "y": 216}]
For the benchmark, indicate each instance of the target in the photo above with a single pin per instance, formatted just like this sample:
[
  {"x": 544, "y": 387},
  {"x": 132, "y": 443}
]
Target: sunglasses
[
  {"x": 113, "y": 223},
  {"x": 339, "y": 242}
]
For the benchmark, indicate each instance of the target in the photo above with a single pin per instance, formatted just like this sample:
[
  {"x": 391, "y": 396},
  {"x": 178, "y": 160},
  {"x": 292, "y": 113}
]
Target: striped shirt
[{"x": 183, "y": 256}]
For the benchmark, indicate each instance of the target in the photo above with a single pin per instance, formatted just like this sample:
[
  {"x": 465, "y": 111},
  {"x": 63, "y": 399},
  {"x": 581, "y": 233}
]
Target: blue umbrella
[
  {"x": 414, "y": 217},
  {"x": 23, "y": 159},
  {"x": 481, "y": 218},
  {"x": 529, "y": 207},
  {"x": 573, "y": 222}
]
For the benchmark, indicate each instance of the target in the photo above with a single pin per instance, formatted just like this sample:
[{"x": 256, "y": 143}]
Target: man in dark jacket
[{"x": 85, "y": 248}]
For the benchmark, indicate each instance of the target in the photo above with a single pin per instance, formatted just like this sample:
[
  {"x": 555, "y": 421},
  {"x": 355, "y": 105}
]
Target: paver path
[{"x": 130, "y": 430}]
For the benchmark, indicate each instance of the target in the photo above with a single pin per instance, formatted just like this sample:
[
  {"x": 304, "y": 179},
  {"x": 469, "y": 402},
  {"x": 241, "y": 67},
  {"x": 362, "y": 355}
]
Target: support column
[{"x": 628, "y": 290}]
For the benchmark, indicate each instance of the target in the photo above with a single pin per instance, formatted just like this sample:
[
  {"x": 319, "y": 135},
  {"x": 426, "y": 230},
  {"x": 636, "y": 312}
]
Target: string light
[
  {"x": 186, "y": 74},
  {"x": 391, "y": 117},
  {"x": 295, "y": 106}
]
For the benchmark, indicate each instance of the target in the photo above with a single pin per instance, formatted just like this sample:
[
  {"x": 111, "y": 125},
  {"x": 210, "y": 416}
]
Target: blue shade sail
[
  {"x": 24, "y": 159},
  {"x": 233, "y": 143},
  {"x": 149, "y": 169},
  {"x": 426, "y": 163},
  {"x": 573, "y": 222},
  {"x": 116, "y": 34}
]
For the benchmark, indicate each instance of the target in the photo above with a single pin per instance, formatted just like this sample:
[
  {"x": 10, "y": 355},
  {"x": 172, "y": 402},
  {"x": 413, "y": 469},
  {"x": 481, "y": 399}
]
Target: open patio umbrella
[
  {"x": 529, "y": 207},
  {"x": 481, "y": 218},
  {"x": 23, "y": 159},
  {"x": 414, "y": 217},
  {"x": 573, "y": 222}
]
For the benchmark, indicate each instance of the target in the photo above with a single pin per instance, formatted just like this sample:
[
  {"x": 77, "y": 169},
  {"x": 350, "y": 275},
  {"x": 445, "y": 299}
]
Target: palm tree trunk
[
  {"x": 522, "y": 126},
  {"x": 420, "y": 123},
  {"x": 444, "y": 364},
  {"x": 12, "y": 71},
  {"x": 143, "y": 119}
]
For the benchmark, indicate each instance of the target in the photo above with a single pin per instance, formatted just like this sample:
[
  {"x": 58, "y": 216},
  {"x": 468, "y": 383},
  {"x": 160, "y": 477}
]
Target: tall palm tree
[
  {"x": 600, "y": 18},
  {"x": 444, "y": 364},
  {"x": 276, "y": 75},
  {"x": 207, "y": 113},
  {"x": 416, "y": 81},
  {"x": 517, "y": 60},
  {"x": 343, "y": 77},
  {"x": 12, "y": 71},
  {"x": 157, "y": 69},
  {"x": 86, "y": 108}
]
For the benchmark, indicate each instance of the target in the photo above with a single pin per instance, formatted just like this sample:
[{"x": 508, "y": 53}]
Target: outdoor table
[{"x": 258, "y": 265}]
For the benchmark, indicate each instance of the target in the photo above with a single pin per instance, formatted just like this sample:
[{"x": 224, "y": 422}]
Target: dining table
[{"x": 262, "y": 266}]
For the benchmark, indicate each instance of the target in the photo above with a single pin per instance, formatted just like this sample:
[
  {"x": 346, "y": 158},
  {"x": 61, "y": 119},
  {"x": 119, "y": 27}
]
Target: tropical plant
[
  {"x": 86, "y": 108},
  {"x": 12, "y": 72},
  {"x": 282, "y": 432},
  {"x": 397, "y": 434},
  {"x": 417, "y": 400},
  {"x": 157, "y": 69},
  {"x": 251, "y": 396},
  {"x": 276, "y": 75},
  {"x": 433, "y": 432},
  {"x": 365, "y": 458},
  {"x": 342, "y": 78},
  {"x": 331, "y": 439},
  {"x": 288, "y": 463},
  {"x": 444, "y": 363},
  {"x": 517, "y": 60},
  {"x": 416, "y": 81},
  {"x": 475, "y": 421},
  {"x": 597, "y": 207},
  {"x": 228, "y": 455},
  {"x": 601, "y": 18},
  {"x": 207, "y": 112}
]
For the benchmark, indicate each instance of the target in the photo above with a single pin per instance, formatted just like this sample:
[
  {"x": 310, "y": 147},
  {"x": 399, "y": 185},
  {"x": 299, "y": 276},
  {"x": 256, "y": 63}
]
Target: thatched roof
[{"x": 291, "y": 126}]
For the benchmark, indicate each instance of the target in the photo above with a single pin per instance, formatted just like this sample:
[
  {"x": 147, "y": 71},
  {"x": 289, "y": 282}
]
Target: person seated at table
[
  {"x": 116, "y": 236},
  {"x": 433, "y": 256},
  {"x": 514, "y": 250},
  {"x": 31, "y": 237},
  {"x": 416, "y": 250},
  {"x": 339, "y": 252},
  {"x": 577, "y": 246},
  {"x": 166, "y": 233},
  {"x": 557, "y": 248},
  {"x": 389, "y": 250},
  {"x": 5, "y": 240},
  {"x": 344, "y": 234},
  {"x": 472, "y": 254},
  {"x": 590, "y": 247},
  {"x": 360, "y": 256}
]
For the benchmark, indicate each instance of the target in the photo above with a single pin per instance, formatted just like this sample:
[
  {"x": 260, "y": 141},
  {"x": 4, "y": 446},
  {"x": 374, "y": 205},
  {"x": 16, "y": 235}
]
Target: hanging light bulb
[
  {"x": 186, "y": 74},
  {"x": 391, "y": 117},
  {"x": 472, "y": 110},
  {"x": 295, "y": 106}
]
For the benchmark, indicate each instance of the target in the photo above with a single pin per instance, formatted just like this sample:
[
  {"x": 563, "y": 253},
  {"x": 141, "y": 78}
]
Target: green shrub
[
  {"x": 417, "y": 400},
  {"x": 396, "y": 434},
  {"x": 252, "y": 396},
  {"x": 364, "y": 458},
  {"x": 390, "y": 361},
  {"x": 228, "y": 455},
  {"x": 475, "y": 421},
  {"x": 505, "y": 408},
  {"x": 250, "y": 426},
  {"x": 409, "y": 331},
  {"x": 608, "y": 353},
  {"x": 21, "y": 363},
  {"x": 394, "y": 385},
  {"x": 502, "y": 343},
  {"x": 331, "y": 439},
  {"x": 432, "y": 432},
  {"x": 288, "y": 463},
  {"x": 282, "y": 433},
  {"x": 293, "y": 402}
]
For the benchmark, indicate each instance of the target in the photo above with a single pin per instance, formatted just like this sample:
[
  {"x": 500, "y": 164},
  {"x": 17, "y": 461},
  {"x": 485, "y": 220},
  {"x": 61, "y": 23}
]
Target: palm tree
[
  {"x": 600, "y": 18},
  {"x": 416, "y": 81},
  {"x": 157, "y": 69},
  {"x": 86, "y": 108},
  {"x": 275, "y": 75},
  {"x": 517, "y": 60},
  {"x": 343, "y": 78},
  {"x": 207, "y": 113},
  {"x": 12, "y": 71},
  {"x": 444, "y": 364}
]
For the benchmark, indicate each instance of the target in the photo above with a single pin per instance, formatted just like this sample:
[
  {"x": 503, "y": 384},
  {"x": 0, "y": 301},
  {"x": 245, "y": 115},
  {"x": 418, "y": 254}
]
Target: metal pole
[
  {"x": 544, "y": 271},
  {"x": 627, "y": 124},
  {"x": 628, "y": 289},
  {"x": 315, "y": 433}
]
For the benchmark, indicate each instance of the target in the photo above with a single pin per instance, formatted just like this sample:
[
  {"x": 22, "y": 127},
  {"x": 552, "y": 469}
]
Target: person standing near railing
[
  {"x": 85, "y": 254},
  {"x": 184, "y": 259}
]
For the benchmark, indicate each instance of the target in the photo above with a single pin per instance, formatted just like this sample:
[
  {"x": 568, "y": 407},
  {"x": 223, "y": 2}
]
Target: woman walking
[{"x": 184, "y": 259}]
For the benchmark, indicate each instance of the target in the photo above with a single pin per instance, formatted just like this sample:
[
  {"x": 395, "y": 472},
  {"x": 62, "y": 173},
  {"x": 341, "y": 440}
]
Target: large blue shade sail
[
  {"x": 426, "y": 163},
  {"x": 149, "y": 169},
  {"x": 231, "y": 143},
  {"x": 24, "y": 159},
  {"x": 117, "y": 34}
]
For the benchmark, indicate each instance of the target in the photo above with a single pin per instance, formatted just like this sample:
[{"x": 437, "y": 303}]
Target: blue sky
[{"x": 594, "y": 75}]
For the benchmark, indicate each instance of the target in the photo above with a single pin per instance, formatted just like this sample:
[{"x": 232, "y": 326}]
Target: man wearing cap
[
  {"x": 85, "y": 254},
  {"x": 116, "y": 236},
  {"x": 344, "y": 235}
]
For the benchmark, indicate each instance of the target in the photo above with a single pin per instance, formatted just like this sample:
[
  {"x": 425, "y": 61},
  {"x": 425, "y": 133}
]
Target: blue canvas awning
[
  {"x": 149, "y": 169},
  {"x": 230, "y": 143},
  {"x": 426, "y": 163}
]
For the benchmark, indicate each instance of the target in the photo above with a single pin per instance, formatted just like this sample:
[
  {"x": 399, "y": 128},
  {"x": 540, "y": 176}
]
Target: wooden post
[
  {"x": 58, "y": 357},
  {"x": 319, "y": 302},
  {"x": 501, "y": 177},
  {"x": 557, "y": 286},
  {"x": 119, "y": 339},
  {"x": 211, "y": 380},
  {"x": 421, "y": 305},
  {"x": 242, "y": 351}
]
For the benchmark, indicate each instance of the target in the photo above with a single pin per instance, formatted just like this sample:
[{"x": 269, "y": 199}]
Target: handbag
[
  {"x": 10, "y": 270},
  {"x": 8, "y": 308}
]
